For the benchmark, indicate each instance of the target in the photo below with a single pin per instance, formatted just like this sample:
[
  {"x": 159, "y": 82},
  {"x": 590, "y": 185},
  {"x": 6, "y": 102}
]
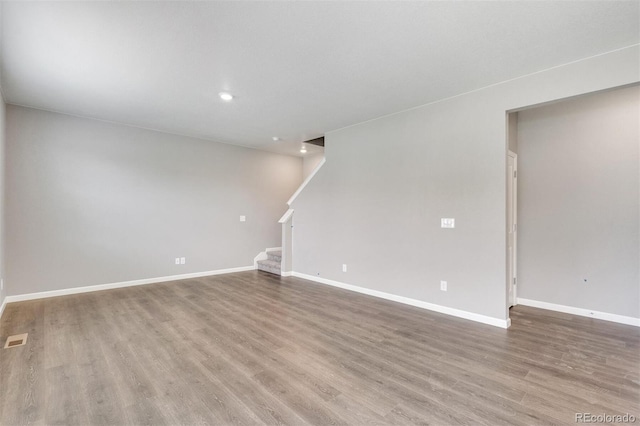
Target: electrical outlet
[
  {"x": 443, "y": 285},
  {"x": 177, "y": 260},
  {"x": 183, "y": 260},
  {"x": 243, "y": 218},
  {"x": 447, "y": 222},
  {"x": 344, "y": 267}
]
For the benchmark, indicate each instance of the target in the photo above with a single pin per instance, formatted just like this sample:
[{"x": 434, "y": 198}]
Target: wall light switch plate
[
  {"x": 344, "y": 267},
  {"x": 177, "y": 260},
  {"x": 447, "y": 222},
  {"x": 183, "y": 260},
  {"x": 243, "y": 218},
  {"x": 443, "y": 285}
]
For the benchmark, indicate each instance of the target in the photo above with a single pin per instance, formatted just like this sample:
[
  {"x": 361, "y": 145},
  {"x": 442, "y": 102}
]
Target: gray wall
[
  {"x": 377, "y": 202},
  {"x": 90, "y": 202},
  {"x": 578, "y": 202},
  {"x": 3, "y": 292}
]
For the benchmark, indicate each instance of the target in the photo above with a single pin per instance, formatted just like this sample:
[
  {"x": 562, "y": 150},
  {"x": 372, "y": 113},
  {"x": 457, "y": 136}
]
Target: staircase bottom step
[{"x": 269, "y": 266}]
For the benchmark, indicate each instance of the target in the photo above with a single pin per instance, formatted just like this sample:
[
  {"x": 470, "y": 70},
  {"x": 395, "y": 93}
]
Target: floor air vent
[{"x": 17, "y": 340}]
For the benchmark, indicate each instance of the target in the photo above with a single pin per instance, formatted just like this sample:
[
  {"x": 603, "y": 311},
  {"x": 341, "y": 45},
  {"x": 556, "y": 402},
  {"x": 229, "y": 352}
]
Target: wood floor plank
[
  {"x": 254, "y": 348},
  {"x": 309, "y": 407},
  {"x": 401, "y": 415},
  {"x": 63, "y": 407},
  {"x": 22, "y": 371},
  {"x": 268, "y": 408}
]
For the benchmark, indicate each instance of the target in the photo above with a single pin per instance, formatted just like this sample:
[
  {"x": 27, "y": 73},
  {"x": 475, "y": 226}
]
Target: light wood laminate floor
[{"x": 254, "y": 348}]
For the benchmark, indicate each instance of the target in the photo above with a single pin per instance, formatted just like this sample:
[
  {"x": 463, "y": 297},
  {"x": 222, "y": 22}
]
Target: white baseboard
[
  {"x": 4, "y": 303},
  {"x": 413, "y": 302},
  {"x": 286, "y": 274},
  {"x": 581, "y": 312},
  {"x": 99, "y": 287}
]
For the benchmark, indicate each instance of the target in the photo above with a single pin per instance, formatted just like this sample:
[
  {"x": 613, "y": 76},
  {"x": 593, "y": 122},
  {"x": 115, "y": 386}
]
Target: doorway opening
[
  {"x": 512, "y": 209},
  {"x": 512, "y": 228}
]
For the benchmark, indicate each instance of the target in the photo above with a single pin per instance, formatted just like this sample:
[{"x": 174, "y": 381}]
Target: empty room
[{"x": 319, "y": 212}]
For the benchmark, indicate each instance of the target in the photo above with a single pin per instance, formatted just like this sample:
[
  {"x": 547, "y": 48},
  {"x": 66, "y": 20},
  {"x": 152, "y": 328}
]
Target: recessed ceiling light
[
  {"x": 303, "y": 149},
  {"x": 225, "y": 96},
  {"x": 275, "y": 138}
]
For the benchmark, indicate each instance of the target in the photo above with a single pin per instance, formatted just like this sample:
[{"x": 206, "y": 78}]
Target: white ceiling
[{"x": 297, "y": 69}]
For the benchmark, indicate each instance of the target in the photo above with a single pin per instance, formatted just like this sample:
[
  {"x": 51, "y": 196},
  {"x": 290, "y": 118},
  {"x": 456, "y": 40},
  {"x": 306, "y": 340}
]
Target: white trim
[
  {"x": 99, "y": 287},
  {"x": 413, "y": 302},
  {"x": 273, "y": 249},
  {"x": 621, "y": 319},
  {"x": 286, "y": 231},
  {"x": 285, "y": 217},
  {"x": 4, "y": 99},
  {"x": 514, "y": 180},
  {"x": 286, "y": 274},
  {"x": 307, "y": 180},
  {"x": 4, "y": 303}
]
